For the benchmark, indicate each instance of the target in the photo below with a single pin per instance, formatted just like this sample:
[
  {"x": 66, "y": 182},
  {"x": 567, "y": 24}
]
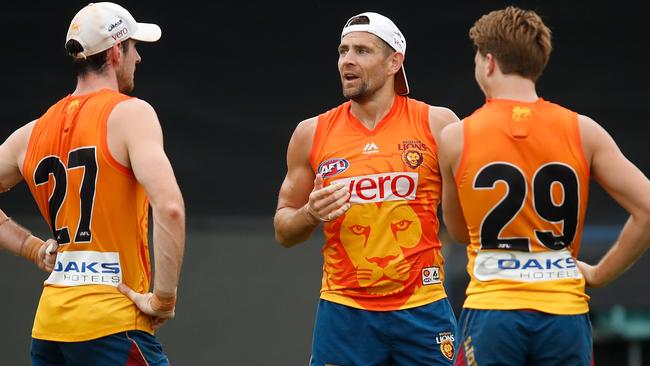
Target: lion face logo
[
  {"x": 412, "y": 158},
  {"x": 446, "y": 342},
  {"x": 374, "y": 237},
  {"x": 447, "y": 349}
]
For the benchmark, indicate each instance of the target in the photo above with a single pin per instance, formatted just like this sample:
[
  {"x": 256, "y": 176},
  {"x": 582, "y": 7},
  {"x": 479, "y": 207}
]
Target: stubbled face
[
  {"x": 375, "y": 237},
  {"x": 363, "y": 65},
  {"x": 126, "y": 70}
]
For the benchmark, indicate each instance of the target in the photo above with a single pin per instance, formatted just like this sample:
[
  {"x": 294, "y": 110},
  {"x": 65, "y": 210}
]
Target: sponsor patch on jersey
[
  {"x": 412, "y": 158},
  {"x": 332, "y": 167},
  {"x": 446, "y": 342},
  {"x": 394, "y": 186},
  {"x": 78, "y": 268},
  {"x": 525, "y": 266},
  {"x": 430, "y": 275}
]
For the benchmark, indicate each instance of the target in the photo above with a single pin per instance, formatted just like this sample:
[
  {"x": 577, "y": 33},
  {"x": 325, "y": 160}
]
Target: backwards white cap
[
  {"x": 98, "y": 26},
  {"x": 385, "y": 29}
]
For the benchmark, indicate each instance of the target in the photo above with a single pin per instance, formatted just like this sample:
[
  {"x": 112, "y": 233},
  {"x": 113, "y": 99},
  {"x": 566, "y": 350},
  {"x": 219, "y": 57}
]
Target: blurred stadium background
[{"x": 231, "y": 80}]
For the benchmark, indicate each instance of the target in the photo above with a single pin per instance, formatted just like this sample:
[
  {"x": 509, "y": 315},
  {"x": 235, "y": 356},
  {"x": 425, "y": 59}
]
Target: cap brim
[
  {"x": 147, "y": 32},
  {"x": 401, "y": 84}
]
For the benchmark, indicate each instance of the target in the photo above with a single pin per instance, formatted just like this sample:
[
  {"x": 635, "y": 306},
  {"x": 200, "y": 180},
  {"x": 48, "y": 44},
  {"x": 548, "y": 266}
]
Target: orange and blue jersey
[
  {"x": 97, "y": 212},
  {"x": 384, "y": 252},
  {"x": 523, "y": 183}
]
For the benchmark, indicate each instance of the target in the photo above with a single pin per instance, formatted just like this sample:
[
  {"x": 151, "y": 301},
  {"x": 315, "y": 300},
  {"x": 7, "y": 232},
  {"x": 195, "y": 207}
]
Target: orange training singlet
[
  {"x": 384, "y": 252},
  {"x": 98, "y": 213},
  {"x": 523, "y": 183}
]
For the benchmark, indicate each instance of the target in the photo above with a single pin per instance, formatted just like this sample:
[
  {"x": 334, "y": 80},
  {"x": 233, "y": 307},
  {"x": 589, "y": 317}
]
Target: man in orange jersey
[
  {"x": 94, "y": 162},
  {"x": 516, "y": 176},
  {"x": 368, "y": 170}
]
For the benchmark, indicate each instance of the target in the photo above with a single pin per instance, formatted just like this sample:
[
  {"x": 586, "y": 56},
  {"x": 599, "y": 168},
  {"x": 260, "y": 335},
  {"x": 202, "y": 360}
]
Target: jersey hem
[
  {"x": 347, "y": 301},
  {"x": 566, "y": 310},
  {"x": 67, "y": 337}
]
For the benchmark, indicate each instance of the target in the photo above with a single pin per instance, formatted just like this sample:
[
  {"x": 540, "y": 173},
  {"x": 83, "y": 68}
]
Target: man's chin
[
  {"x": 353, "y": 94},
  {"x": 348, "y": 94}
]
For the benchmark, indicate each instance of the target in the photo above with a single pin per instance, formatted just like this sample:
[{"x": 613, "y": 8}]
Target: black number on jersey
[
  {"x": 53, "y": 165},
  {"x": 566, "y": 211},
  {"x": 85, "y": 158},
  {"x": 506, "y": 209},
  {"x": 509, "y": 206}
]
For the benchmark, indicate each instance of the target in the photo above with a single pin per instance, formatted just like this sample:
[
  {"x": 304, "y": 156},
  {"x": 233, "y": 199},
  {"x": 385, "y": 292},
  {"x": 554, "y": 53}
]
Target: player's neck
[
  {"x": 93, "y": 82},
  {"x": 512, "y": 87},
  {"x": 372, "y": 110}
]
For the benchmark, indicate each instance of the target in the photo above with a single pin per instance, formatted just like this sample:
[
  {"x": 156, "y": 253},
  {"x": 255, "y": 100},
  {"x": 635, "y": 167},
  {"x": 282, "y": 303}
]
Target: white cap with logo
[
  {"x": 98, "y": 26},
  {"x": 385, "y": 29}
]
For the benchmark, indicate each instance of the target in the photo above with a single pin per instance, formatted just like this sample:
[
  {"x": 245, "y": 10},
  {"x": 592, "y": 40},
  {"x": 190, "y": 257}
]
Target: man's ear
[
  {"x": 396, "y": 62},
  {"x": 491, "y": 64},
  {"x": 114, "y": 55}
]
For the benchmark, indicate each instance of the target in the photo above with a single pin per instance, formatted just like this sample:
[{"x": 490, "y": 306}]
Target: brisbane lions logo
[
  {"x": 446, "y": 342},
  {"x": 412, "y": 158},
  {"x": 447, "y": 349},
  {"x": 375, "y": 238}
]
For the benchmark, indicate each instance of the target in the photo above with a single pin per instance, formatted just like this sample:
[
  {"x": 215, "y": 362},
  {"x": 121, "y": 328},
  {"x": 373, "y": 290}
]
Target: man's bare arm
[
  {"x": 12, "y": 153},
  {"x": 439, "y": 118},
  {"x": 303, "y": 202},
  {"x": 629, "y": 187},
  {"x": 147, "y": 158},
  {"x": 13, "y": 237},
  {"x": 449, "y": 151}
]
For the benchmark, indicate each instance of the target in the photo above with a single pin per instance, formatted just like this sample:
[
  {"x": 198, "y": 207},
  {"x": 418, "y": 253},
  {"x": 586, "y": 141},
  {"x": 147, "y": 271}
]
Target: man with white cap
[
  {"x": 93, "y": 163},
  {"x": 368, "y": 171}
]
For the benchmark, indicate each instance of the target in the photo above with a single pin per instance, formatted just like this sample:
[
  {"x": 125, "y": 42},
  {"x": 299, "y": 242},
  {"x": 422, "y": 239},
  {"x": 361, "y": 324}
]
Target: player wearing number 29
[
  {"x": 93, "y": 162},
  {"x": 516, "y": 176}
]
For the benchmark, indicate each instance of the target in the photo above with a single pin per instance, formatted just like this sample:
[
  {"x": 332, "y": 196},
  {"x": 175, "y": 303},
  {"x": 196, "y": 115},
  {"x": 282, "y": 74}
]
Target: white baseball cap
[
  {"x": 385, "y": 29},
  {"x": 98, "y": 26}
]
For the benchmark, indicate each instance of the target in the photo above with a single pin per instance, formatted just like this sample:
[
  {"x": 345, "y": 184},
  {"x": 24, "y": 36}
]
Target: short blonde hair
[{"x": 518, "y": 39}]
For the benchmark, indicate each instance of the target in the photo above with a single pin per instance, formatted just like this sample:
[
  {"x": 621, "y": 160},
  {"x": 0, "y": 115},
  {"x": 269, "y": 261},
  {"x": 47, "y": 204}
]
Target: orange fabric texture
[
  {"x": 98, "y": 213},
  {"x": 523, "y": 183},
  {"x": 383, "y": 253}
]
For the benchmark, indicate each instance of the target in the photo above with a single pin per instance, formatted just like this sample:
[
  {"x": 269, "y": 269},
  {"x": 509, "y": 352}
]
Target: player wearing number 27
[
  {"x": 516, "y": 176},
  {"x": 93, "y": 163}
]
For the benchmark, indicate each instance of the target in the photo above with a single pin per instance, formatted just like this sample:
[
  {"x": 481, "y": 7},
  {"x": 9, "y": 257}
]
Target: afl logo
[{"x": 332, "y": 167}]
